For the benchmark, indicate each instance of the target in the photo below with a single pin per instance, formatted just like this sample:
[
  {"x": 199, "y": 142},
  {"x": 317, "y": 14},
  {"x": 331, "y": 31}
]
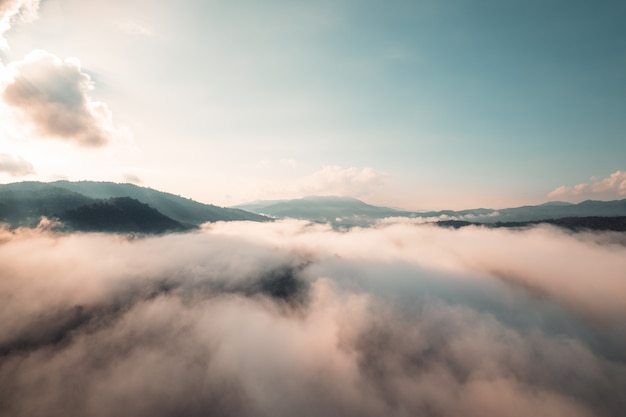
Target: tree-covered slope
[
  {"x": 121, "y": 214},
  {"x": 23, "y": 204}
]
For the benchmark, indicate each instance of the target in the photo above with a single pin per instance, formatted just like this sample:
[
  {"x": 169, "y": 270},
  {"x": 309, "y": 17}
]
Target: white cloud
[
  {"x": 14, "y": 10},
  {"x": 53, "y": 96},
  {"x": 15, "y": 165},
  {"x": 562, "y": 264},
  {"x": 611, "y": 187},
  {"x": 399, "y": 320}
]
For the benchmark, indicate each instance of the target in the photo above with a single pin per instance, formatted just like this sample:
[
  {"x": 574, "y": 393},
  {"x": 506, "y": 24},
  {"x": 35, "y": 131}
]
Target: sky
[{"x": 412, "y": 104}]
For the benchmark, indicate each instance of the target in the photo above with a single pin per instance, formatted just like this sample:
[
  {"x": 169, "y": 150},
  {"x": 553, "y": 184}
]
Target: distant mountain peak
[
  {"x": 332, "y": 209},
  {"x": 329, "y": 198},
  {"x": 349, "y": 211},
  {"x": 557, "y": 203}
]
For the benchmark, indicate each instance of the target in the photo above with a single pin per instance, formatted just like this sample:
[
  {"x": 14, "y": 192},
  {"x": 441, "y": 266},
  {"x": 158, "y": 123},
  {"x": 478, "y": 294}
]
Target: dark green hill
[
  {"x": 120, "y": 215},
  {"x": 23, "y": 204},
  {"x": 546, "y": 211},
  {"x": 615, "y": 224},
  {"x": 587, "y": 208},
  {"x": 181, "y": 209}
]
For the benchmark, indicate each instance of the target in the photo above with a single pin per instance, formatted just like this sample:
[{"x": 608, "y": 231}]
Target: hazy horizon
[{"x": 365, "y": 200}]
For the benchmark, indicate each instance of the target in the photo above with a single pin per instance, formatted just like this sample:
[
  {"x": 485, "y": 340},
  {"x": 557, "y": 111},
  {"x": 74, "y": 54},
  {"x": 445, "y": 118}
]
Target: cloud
[
  {"x": 15, "y": 165},
  {"x": 132, "y": 178},
  {"x": 135, "y": 28},
  {"x": 611, "y": 187},
  {"x": 561, "y": 267},
  {"x": 283, "y": 163},
  {"x": 54, "y": 96},
  {"x": 291, "y": 318},
  {"x": 332, "y": 180},
  {"x": 13, "y": 10},
  {"x": 345, "y": 181}
]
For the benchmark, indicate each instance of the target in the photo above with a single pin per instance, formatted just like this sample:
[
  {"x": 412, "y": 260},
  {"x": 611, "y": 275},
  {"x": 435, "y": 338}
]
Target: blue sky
[{"x": 417, "y": 104}]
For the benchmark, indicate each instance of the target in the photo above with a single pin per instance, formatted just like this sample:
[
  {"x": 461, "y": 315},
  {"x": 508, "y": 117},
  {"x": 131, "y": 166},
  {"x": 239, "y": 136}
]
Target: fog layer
[{"x": 290, "y": 318}]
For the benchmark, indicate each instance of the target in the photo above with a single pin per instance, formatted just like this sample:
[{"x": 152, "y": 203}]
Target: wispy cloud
[
  {"x": 134, "y": 27},
  {"x": 283, "y": 163},
  {"x": 15, "y": 165},
  {"x": 335, "y": 180},
  {"x": 329, "y": 180},
  {"x": 611, "y": 187},
  {"x": 132, "y": 178}
]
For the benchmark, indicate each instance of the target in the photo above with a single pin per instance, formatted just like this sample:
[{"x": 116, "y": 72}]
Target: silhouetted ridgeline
[
  {"x": 121, "y": 214},
  {"x": 330, "y": 209},
  {"x": 616, "y": 224},
  {"x": 106, "y": 206},
  {"x": 23, "y": 204},
  {"x": 111, "y": 207},
  {"x": 181, "y": 209},
  {"x": 343, "y": 211}
]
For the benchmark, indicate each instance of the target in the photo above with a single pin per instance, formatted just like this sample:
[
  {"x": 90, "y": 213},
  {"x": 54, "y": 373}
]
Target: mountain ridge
[
  {"x": 179, "y": 208},
  {"x": 120, "y": 215},
  {"x": 348, "y": 211},
  {"x": 22, "y": 204}
]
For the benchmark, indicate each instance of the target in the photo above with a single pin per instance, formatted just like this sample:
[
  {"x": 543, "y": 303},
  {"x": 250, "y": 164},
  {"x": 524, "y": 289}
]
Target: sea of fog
[{"x": 298, "y": 319}]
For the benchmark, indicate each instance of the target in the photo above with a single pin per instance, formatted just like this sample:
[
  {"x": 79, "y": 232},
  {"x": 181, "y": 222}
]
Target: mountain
[
  {"x": 178, "y": 208},
  {"x": 24, "y": 203},
  {"x": 88, "y": 205},
  {"x": 119, "y": 214},
  {"x": 345, "y": 211},
  {"x": 616, "y": 224},
  {"x": 256, "y": 206},
  {"x": 336, "y": 210},
  {"x": 551, "y": 210}
]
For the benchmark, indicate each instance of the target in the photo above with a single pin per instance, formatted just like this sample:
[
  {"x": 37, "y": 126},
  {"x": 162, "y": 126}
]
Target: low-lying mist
[{"x": 293, "y": 318}]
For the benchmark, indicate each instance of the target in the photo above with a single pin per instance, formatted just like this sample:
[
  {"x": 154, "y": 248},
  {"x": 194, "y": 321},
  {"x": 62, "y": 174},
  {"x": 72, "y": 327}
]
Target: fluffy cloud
[
  {"x": 560, "y": 268},
  {"x": 12, "y": 10},
  {"x": 15, "y": 165},
  {"x": 54, "y": 96},
  {"x": 291, "y": 318},
  {"x": 612, "y": 187}
]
